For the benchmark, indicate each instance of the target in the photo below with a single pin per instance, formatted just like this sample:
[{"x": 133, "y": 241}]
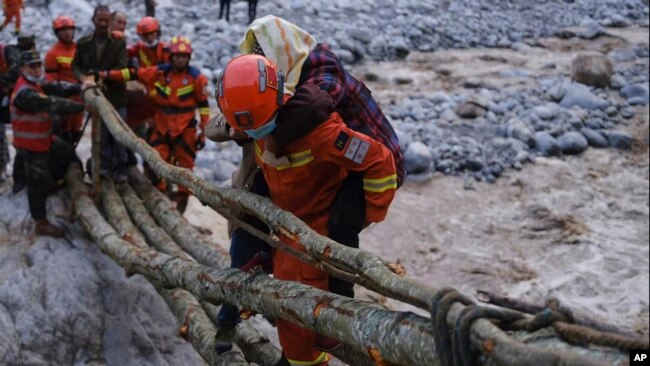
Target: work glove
[
  {"x": 200, "y": 142},
  {"x": 261, "y": 260},
  {"x": 93, "y": 74}
]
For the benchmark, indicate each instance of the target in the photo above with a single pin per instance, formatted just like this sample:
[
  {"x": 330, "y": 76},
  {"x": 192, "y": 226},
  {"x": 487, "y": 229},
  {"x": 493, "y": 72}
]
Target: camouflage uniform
[
  {"x": 43, "y": 169},
  {"x": 11, "y": 72}
]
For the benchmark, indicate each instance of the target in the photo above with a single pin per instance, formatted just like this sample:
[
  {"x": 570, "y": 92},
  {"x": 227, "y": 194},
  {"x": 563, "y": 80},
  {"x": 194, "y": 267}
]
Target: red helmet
[
  {"x": 62, "y": 21},
  {"x": 147, "y": 25},
  {"x": 180, "y": 44},
  {"x": 249, "y": 92}
]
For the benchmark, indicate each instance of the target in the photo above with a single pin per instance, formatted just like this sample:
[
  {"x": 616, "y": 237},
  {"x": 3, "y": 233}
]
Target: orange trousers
[
  {"x": 12, "y": 12},
  {"x": 298, "y": 343},
  {"x": 176, "y": 150}
]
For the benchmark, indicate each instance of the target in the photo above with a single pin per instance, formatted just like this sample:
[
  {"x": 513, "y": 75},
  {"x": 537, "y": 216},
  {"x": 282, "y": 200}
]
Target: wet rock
[
  {"x": 222, "y": 170},
  {"x": 546, "y": 144},
  {"x": 628, "y": 112},
  {"x": 616, "y": 82},
  {"x": 440, "y": 97},
  {"x": 470, "y": 109},
  {"x": 580, "y": 95},
  {"x": 557, "y": 91},
  {"x": 547, "y": 111},
  {"x": 638, "y": 101},
  {"x": 611, "y": 111},
  {"x": 518, "y": 130},
  {"x": 418, "y": 158},
  {"x": 572, "y": 143},
  {"x": 616, "y": 21},
  {"x": 472, "y": 83},
  {"x": 594, "y": 138},
  {"x": 636, "y": 94},
  {"x": 362, "y": 35},
  {"x": 593, "y": 70},
  {"x": 403, "y": 80},
  {"x": 448, "y": 115},
  {"x": 589, "y": 29},
  {"x": 620, "y": 140}
]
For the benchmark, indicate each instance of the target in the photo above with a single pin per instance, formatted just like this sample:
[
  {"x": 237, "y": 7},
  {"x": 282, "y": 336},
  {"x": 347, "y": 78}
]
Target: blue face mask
[{"x": 262, "y": 131}]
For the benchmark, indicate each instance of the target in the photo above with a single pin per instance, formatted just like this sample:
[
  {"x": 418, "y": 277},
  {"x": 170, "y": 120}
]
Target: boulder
[
  {"x": 595, "y": 138},
  {"x": 636, "y": 94},
  {"x": 518, "y": 130},
  {"x": 546, "y": 144},
  {"x": 594, "y": 70},
  {"x": 470, "y": 109},
  {"x": 547, "y": 111},
  {"x": 620, "y": 140},
  {"x": 589, "y": 29},
  {"x": 579, "y": 95},
  {"x": 418, "y": 158},
  {"x": 572, "y": 143}
]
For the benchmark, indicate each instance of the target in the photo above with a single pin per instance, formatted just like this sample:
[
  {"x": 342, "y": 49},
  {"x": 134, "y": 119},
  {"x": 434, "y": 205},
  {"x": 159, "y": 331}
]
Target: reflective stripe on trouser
[
  {"x": 179, "y": 151},
  {"x": 298, "y": 343}
]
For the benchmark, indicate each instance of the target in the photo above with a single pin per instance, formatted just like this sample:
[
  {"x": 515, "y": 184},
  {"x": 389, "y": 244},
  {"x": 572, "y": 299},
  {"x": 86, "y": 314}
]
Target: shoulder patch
[
  {"x": 164, "y": 67},
  {"x": 357, "y": 150},
  {"x": 341, "y": 140},
  {"x": 193, "y": 71}
]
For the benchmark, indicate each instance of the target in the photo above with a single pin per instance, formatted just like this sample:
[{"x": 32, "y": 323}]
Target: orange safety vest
[
  {"x": 58, "y": 62},
  {"x": 304, "y": 181},
  {"x": 32, "y": 131},
  {"x": 148, "y": 56},
  {"x": 178, "y": 96}
]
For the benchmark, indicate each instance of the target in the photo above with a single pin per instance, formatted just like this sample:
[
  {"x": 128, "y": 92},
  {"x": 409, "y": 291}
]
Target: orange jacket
[
  {"x": 58, "y": 62},
  {"x": 13, "y": 3},
  {"x": 315, "y": 166},
  {"x": 178, "y": 95},
  {"x": 304, "y": 181},
  {"x": 148, "y": 56}
]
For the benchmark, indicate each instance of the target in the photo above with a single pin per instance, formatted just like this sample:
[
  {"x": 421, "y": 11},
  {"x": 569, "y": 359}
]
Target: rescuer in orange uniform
[
  {"x": 12, "y": 11},
  {"x": 58, "y": 67},
  {"x": 149, "y": 51},
  {"x": 178, "y": 90},
  {"x": 304, "y": 177}
]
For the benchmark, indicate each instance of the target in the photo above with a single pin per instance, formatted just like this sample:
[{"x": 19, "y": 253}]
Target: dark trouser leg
[
  {"x": 19, "y": 170},
  {"x": 61, "y": 155},
  {"x": 37, "y": 177},
  {"x": 252, "y": 6},
  {"x": 347, "y": 218},
  {"x": 4, "y": 149},
  {"x": 115, "y": 157},
  {"x": 243, "y": 247},
  {"x": 221, "y": 6}
]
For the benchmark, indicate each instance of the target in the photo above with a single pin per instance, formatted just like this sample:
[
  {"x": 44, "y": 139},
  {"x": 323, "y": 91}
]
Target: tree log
[
  {"x": 195, "y": 324},
  {"x": 154, "y": 234},
  {"x": 168, "y": 217},
  {"x": 255, "y": 347}
]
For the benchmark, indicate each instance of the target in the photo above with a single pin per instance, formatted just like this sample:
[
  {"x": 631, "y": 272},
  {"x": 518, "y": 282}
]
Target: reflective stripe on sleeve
[
  {"x": 323, "y": 357},
  {"x": 381, "y": 184}
]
